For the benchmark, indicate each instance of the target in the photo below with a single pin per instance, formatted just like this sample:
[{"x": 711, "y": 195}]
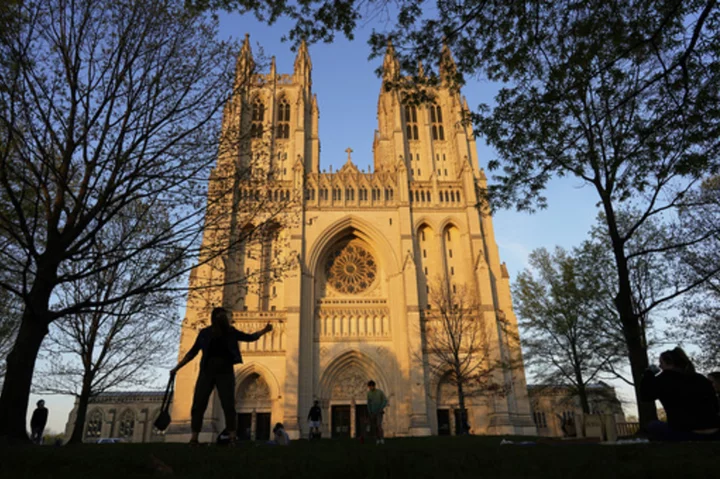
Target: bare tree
[
  {"x": 458, "y": 344},
  {"x": 104, "y": 105},
  {"x": 114, "y": 345}
]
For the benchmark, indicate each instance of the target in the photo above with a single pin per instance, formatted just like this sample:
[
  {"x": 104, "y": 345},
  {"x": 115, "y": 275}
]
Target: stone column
[
  {"x": 253, "y": 424},
  {"x": 352, "y": 419}
]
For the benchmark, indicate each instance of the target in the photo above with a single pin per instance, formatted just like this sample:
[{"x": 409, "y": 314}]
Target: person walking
[
  {"x": 315, "y": 419},
  {"x": 376, "y": 403},
  {"x": 220, "y": 351},
  {"x": 38, "y": 422}
]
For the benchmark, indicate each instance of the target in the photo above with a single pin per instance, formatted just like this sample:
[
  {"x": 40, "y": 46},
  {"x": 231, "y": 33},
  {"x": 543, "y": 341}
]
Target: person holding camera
[
  {"x": 688, "y": 398},
  {"x": 220, "y": 352}
]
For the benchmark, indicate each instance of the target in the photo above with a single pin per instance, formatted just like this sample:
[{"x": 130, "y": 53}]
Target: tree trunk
[
  {"x": 582, "y": 391},
  {"x": 633, "y": 333},
  {"x": 582, "y": 394},
  {"x": 21, "y": 360},
  {"x": 18, "y": 377},
  {"x": 461, "y": 403},
  {"x": 83, "y": 400}
]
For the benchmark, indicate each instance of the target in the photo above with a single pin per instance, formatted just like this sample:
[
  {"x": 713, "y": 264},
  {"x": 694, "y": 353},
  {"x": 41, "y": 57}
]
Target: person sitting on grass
[
  {"x": 280, "y": 436},
  {"x": 687, "y": 397},
  {"x": 219, "y": 345}
]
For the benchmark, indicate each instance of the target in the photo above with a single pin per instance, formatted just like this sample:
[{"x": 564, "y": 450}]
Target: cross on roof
[{"x": 349, "y": 152}]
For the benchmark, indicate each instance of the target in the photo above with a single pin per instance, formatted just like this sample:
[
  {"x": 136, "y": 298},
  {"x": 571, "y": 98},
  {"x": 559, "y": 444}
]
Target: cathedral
[{"x": 366, "y": 248}]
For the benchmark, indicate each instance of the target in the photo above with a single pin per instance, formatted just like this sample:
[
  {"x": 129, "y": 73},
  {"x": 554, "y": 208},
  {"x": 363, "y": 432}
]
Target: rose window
[{"x": 350, "y": 269}]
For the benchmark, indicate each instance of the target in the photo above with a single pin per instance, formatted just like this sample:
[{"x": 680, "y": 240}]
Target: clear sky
[{"x": 347, "y": 90}]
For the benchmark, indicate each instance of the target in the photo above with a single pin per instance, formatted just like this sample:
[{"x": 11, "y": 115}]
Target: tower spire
[
  {"x": 303, "y": 65},
  {"x": 391, "y": 65},
  {"x": 245, "y": 64},
  {"x": 448, "y": 67}
]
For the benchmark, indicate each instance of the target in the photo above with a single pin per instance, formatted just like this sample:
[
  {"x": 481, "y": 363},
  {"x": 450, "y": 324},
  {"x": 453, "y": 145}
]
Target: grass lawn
[{"x": 431, "y": 457}]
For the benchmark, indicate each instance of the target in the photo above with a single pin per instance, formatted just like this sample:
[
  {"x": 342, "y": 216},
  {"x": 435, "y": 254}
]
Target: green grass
[{"x": 432, "y": 457}]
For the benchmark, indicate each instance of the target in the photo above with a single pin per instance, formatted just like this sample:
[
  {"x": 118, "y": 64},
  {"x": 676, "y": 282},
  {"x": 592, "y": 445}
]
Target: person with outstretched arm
[{"x": 220, "y": 351}]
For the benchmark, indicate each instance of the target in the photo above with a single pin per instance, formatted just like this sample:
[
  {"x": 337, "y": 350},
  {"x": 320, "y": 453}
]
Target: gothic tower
[{"x": 367, "y": 247}]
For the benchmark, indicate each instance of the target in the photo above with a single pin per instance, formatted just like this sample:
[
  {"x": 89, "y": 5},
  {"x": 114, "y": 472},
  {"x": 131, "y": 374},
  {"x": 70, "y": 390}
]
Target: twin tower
[{"x": 360, "y": 259}]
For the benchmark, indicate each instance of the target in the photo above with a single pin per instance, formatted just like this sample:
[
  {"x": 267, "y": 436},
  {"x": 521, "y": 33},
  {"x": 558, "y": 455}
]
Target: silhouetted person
[
  {"x": 687, "y": 397},
  {"x": 219, "y": 345},
  {"x": 38, "y": 422},
  {"x": 376, "y": 402},
  {"x": 315, "y": 418}
]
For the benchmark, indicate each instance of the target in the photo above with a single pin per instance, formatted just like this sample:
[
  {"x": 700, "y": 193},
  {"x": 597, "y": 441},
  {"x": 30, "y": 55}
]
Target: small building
[
  {"x": 127, "y": 415},
  {"x": 554, "y": 404}
]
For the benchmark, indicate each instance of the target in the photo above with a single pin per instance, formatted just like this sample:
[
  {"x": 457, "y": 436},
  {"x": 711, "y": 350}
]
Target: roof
[{"x": 128, "y": 396}]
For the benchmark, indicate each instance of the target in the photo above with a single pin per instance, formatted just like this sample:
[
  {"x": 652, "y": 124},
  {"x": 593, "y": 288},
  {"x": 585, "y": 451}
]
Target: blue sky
[{"x": 347, "y": 90}]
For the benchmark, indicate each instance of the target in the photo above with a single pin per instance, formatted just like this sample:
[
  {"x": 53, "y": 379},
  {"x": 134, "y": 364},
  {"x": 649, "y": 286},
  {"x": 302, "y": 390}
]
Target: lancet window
[
  {"x": 258, "y": 117},
  {"x": 438, "y": 132},
  {"x": 411, "y": 122},
  {"x": 283, "y": 119}
]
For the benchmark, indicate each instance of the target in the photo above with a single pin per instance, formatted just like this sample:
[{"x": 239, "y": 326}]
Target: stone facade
[
  {"x": 352, "y": 307},
  {"x": 551, "y": 404},
  {"x": 128, "y": 416}
]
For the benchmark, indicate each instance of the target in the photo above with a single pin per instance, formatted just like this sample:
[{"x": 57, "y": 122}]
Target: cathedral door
[
  {"x": 262, "y": 428},
  {"x": 244, "y": 426},
  {"x": 362, "y": 421},
  {"x": 443, "y": 421},
  {"x": 340, "y": 422}
]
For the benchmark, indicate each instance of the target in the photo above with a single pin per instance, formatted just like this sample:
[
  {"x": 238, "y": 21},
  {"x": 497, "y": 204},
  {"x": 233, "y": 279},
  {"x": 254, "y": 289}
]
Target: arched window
[
  {"x": 94, "y": 424},
  {"x": 283, "y": 119},
  {"x": 258, "y": 117},
  {"x": 411, "y": 122},
  {"x": 127, "y": 424},
  {"x": 438, "y": 132}
]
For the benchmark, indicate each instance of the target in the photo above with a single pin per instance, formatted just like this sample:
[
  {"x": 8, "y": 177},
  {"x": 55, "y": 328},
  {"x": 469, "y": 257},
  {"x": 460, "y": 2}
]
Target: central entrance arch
[{"x": 343, "y": 393}]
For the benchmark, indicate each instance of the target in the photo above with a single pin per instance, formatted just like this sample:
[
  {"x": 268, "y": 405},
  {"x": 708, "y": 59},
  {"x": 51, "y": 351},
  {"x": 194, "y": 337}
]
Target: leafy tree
[
  {"x": 458, "y": 344},
  {"x": 700, "y": 323},
  {"x": 567, "y": 335},
  {"x": 629, "y": 105},
  {"x": 104, "y": 106}
]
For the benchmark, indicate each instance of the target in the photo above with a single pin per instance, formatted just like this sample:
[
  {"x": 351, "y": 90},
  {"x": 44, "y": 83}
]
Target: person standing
[
  {"x": 376, "y": 403},
  {"x": 219, "y": 345},
  {"x": 38, "y": 422},
  {"x": 315, "y": 419}
]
